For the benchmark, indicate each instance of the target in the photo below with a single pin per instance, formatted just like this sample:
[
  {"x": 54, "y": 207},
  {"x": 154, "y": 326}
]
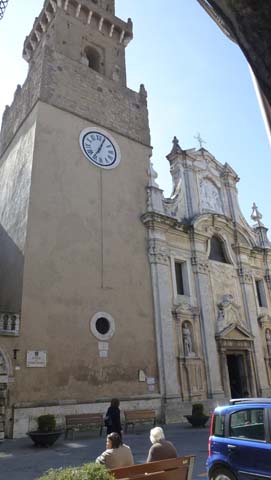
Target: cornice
[{"x": 163, "y": 222}]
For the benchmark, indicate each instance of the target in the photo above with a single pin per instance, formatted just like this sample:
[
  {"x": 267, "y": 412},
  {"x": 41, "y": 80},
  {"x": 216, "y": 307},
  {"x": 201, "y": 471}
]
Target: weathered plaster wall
[
  {"x": 15, "y": 179},
  {"x": 86, "y": 252}
]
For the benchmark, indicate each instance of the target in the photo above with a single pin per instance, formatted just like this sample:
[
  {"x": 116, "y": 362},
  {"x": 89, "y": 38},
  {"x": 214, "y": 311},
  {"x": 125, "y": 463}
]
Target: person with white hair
[{"x": 161, "y": 448}]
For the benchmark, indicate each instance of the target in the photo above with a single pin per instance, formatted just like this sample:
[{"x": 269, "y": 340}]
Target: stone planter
[
  {"x": 45, "y": 439},
  {"x": 197, "y": 420}
]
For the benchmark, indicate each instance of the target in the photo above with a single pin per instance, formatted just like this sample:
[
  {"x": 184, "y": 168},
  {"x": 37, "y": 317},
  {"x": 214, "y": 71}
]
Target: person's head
[
  {"x": 156, "y": 434},
  {"x": 115, "y": 402},
  {"x": 113, "y": 440}
]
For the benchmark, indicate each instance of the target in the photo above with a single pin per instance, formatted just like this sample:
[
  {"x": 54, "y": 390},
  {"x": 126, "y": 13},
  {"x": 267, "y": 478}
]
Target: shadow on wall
[{"x": 11, "y": 273}]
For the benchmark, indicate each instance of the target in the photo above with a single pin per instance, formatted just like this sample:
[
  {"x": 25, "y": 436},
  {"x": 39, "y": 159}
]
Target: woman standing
[{"x": 112, "y": 418}]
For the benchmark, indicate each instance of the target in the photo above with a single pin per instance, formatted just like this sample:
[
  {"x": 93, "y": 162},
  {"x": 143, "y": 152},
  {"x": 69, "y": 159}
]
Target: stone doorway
[
  {"x": 238, "y": 376},
  {"x": 235, "y": 348}
]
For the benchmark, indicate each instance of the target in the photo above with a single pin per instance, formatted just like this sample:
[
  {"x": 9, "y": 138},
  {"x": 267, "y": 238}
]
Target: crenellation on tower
[
  {"x": 95, "y": 16},
  {"x": 85, "y": 40}
]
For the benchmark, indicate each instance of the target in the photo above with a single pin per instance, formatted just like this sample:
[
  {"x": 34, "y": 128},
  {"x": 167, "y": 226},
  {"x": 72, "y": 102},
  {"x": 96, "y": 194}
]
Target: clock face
[{"x": 100, "y": 148}]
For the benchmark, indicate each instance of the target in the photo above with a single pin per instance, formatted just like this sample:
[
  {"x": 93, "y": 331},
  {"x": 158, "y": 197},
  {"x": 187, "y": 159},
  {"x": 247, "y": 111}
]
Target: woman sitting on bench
[{"x": 116, "y": 454}]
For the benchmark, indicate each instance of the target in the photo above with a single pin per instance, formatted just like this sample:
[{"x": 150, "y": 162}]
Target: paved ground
[{"x": 19, "y": 460}]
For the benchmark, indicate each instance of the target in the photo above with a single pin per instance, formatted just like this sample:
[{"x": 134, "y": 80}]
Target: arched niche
[{"x": 217, "y": 250}]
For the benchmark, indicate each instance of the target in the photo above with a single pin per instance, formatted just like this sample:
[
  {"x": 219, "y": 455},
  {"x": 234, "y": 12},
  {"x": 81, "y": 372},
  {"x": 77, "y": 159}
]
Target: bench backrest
[
  {"x": 170, "y": 466},
  {"x": 84, "y": 419},
  {"x": 139, "y": 414},
  {"x": 177, "y": 474}
]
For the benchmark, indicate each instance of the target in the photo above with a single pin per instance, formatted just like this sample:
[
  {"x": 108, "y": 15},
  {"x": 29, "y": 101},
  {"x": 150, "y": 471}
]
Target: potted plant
[
  {"x": 91, "y": 471},
  {"x": 198, "y": 417},
  {"x": 47, "y": 433}
]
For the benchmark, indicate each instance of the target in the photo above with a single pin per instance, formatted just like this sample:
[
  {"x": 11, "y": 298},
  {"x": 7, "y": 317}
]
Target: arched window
[
  {"x": 217, "y": 250},
  {"x": 93, "y": 58}
]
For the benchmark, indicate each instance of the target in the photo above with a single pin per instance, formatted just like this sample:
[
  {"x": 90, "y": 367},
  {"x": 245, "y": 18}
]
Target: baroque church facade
[{"x": 109, "y": 289}]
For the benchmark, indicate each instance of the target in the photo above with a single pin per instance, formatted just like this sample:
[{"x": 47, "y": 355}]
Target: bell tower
[
  {"x": 87, "y": 32},
  {"x": 75, "y": 148}
]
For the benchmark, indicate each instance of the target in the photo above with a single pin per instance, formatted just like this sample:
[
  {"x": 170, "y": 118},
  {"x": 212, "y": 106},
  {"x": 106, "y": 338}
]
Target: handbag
[{"x": 107, "y": 421}]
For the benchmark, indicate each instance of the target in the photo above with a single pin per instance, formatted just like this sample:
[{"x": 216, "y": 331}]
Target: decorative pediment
[
  {"x": 234, "y": 332},
  {"x": 185, "y": 309}
]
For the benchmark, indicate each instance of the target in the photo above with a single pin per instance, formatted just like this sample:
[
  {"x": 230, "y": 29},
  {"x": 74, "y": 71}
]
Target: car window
[
  {"x": 247, "y": 423},
  {"x": 219, "y": 425}
]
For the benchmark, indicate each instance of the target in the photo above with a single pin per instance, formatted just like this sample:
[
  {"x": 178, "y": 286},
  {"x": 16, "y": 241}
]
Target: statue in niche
[{"x": 187, "y": 340}]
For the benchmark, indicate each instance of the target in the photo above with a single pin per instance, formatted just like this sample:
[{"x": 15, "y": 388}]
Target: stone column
[
  {"x": 207, "y": 323},
  {"x": 251, "y": 375},
  {"x": 164, "y": 325},
  {"x": 225, "y": 373}
]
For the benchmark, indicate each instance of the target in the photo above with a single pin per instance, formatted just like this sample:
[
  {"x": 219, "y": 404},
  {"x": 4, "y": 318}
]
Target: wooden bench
[
  {"x": 138, "y": 416},
  {"x": 180, "y": 468},
  {"x": 83, "y": 421}
]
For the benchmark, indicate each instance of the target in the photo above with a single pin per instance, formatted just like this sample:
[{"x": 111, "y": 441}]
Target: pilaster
[
  {"x": 165, "y": 335},
  {"x": 203, "y": 288}
]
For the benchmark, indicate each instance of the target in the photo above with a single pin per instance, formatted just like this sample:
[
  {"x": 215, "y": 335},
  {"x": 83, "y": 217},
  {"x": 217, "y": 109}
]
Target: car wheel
[{"x": 222, "y": 474}]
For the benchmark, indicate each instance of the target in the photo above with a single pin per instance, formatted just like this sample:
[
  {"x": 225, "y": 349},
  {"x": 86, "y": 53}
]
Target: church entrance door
[{"x": 237, "y": 375}]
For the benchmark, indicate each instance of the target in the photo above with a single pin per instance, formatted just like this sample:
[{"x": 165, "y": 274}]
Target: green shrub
[
  {"x": 197, "y": 409},
  {"x": 89, "y": 471},
  {"x": 46, "y": 423}
]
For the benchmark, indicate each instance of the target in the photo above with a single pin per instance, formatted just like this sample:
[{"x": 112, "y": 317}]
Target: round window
[{"x": 102, "y": 326}]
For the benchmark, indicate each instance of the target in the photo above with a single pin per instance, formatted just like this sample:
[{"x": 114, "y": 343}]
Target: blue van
[{"x": 239, "y": 446}]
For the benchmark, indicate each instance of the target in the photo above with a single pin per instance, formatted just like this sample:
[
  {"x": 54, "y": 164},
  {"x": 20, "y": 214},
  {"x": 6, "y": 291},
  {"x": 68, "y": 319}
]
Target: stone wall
[
  {"x": 25, "y": 98},
  {"x": 25, "y": 418},
  {"x": 76, "y": 88}
]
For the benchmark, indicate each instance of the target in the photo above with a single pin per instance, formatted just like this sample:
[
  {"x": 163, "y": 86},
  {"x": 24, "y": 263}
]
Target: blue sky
[{"x": 197, "y": 81}]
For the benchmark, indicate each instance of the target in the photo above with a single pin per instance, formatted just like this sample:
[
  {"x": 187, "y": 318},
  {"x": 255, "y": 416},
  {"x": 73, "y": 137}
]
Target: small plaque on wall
[
  {"x": 36, "y": 358},
  {"x": 103, "y": 353}
]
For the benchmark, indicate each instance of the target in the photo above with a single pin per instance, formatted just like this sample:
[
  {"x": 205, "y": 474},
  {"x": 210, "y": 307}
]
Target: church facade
[{"x": 109, "y": 289}]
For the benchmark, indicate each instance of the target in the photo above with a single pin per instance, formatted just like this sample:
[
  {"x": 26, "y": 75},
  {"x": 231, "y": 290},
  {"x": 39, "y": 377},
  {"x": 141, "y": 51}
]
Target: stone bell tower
[{"x": 75, "y": 147}]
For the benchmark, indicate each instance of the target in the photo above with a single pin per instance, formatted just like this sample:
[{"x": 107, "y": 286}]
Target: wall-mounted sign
[
  {"x": 141, "y": 376},
  {"x": 36, "y": 358}
]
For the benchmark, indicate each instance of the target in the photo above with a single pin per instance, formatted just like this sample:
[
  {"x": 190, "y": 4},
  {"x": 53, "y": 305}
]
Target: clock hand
[{"x": 100, "y": 147}]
